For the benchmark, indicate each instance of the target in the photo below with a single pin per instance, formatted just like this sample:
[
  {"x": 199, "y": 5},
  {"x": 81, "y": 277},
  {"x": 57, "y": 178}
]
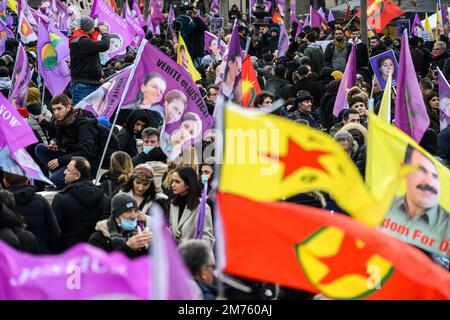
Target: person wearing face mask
[
  {"x": 135, "y": 124},
  {"x": 151, "y": 150},
  {"x": 121, "y": 231}
]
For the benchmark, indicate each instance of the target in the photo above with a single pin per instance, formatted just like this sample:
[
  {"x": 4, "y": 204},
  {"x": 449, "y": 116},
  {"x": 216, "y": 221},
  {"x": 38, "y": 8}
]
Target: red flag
[
  {"x": 113, "y": 4},
  {"x": 250, "y": 85},
  {"x": 380, "y": 13},
  {"x": 276, "y": 18},
  {"x": 347, "y": 13},
  {"x": 317, "y": 251}
]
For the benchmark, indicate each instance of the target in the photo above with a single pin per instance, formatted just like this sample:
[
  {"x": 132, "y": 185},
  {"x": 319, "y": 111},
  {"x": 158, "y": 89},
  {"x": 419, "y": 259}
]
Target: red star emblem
[
  {"x": 297, "y": 158},
  {"x": 349, "y": 260}
]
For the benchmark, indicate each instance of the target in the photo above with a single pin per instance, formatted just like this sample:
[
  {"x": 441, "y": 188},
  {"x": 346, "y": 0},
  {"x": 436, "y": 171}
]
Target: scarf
[
  {"x": 70, "y": 119},
  {"x": 80, "y": 33},
  {"x": 340, "y": 45}
]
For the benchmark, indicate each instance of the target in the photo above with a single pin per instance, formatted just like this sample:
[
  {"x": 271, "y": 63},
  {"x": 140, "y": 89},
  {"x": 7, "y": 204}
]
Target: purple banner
[
  {"x": 120, "y": 32},
  {"x": 20, "y": 79},
  {"x": 212, "y": 44},
  {"x": 348, "y": 80},
  {"x": 136, "y": 14},
  {"x": 444, "y": 100},
  {"x": 104, "y": 100},
  {"x": 160, "y": 84},
  {"x": 283, "y": 42},
  {"x": 140, "y": 34},
  {"x": 201, "y": 213},
  {"x": 53, "y": 48}
]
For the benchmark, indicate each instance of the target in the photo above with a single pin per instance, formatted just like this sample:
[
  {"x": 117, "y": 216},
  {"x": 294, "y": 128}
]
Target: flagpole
[{"x": 43, "y": 94}]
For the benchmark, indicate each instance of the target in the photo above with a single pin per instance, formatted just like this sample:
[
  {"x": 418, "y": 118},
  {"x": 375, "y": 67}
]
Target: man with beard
[{"x": 337, "y": 52}]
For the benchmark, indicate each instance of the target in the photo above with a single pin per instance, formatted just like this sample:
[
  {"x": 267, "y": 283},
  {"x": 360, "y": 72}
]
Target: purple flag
[
  {"x": 444, "y": 100},
  {"x": 417, "y": 25},
  {"x": 214, "y": 7},
  {"x": 137, "y": 29},
  {"x": 157, "y": 16},
  {"x": 83, "y": 272},
  {"x": 171, "y": 17},
  {"x": 330, "y": 16},
  {"x": 315, "y": 19},
  {"x": 20, "y": 79},
  {"x": 53, "y": 48},
  {"x": 444, "y": 13},
  {"x": 104, "y": 101},
  {"x": 170, "y": 278},
  {"x": 283, "y": 41},
  {"x": 410, "y": 112},
  {"x": 320, "y": 11},
  {"x": 231, "y": 87},
  {"x": 161, "y": 85},
  {"x": 120, "y": 32},
  {"x": 348, "y": 80},
  {"x": 281, "y": 5},
  {"x": 201, "y": 212},
  {"x": 136, "y": 14},
  {"x": 299, "y": 28},
  {"x": 267, "y": 5},
  {"x": 212, "y": 45},
  {"x": 5, "y": 33}
]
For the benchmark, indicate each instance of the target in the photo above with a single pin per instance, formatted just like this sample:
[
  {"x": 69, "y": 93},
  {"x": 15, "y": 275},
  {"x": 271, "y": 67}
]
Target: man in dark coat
[
  {"x": 376, "y": 46},
  {"x": 443, "y": 140},
  {"x": 79, "y": 206},
  {"x": 76, "y": 135},
  {"x": 36, "y": 210},
  {"x": 151, "y": 150},
  {"x": 277, "y": 84},
  {"x": 137, "y": 121},
  {"x": 305, "y": 83},
  {"x": 85, "y": 67}
]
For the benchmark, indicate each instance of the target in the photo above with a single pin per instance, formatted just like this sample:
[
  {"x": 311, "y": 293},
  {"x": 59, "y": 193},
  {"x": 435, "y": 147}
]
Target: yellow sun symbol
[{"x": 247, "y": 85}]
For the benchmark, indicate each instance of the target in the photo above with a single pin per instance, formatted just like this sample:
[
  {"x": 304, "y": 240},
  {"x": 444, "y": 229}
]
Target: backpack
[{"x": 113, "y": 145}]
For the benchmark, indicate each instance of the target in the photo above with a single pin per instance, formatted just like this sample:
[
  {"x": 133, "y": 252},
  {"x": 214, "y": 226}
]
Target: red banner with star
[{"x": 250, "y": 85}]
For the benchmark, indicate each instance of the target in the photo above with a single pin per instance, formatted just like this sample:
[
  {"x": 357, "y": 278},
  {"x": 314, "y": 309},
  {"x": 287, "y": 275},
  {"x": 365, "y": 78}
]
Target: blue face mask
[
  {"x": 205, "y": 178},
  {"x": 128, "y": 225},
  {"x": 147, "y": 149}
]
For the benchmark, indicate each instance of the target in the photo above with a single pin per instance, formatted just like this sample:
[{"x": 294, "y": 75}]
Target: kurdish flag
[
  {"x": 184, "y": 59},
  {"x": 250, "y": 85},
  {"x": 268, "y": 158},
  {"x": 313, "y": 250}
]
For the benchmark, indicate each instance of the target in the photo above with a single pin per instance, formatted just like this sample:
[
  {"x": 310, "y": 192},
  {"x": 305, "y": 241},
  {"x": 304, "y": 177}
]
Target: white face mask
[{"x": 147, "y": 149}]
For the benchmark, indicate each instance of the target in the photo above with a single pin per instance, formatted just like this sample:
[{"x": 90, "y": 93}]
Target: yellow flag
[
  {"x": 438, "y": 21},
  {"x": 184, "y": 59},
  {"x": 268, "y": 158},
  {"x": 427, "y": 27},
  {"x": 385, "y": 107},
  {"x": 12, "y": 5}
]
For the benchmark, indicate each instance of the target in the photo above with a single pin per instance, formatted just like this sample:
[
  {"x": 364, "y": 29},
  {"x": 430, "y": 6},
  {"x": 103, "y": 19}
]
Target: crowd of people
[{"x": 115, "y": 214}]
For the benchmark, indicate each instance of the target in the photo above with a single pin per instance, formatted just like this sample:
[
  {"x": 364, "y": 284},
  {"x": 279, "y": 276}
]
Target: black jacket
[
  {"x": 39, "y": 216},
  {"x": 444, "y": 144},
  {"x": 78, "y": 207},
  {"x": 278, "y": 86},
  {"x": 13, "y": 233},
  {"x": 85, "y": 64},
  {"x": 109, "y": 183},
  {"x": 311, "y": 86},
  {"x": 127, "y": 141},
  {"x": 156, "y": 154},
  {"x": 79, "y": 139}
]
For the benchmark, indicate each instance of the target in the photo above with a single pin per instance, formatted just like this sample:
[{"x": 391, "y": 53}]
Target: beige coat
[{"x": 187, "y": 227}]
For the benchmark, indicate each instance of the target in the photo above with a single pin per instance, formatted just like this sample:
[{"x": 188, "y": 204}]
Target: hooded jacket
[
  {"x": 315, "y": 54},
  {"x": 78, "y": 207},
  {"x": 127, "y": 141},
  {"x": 14, "y": 234},
  {"x": 39, "y": 216}
]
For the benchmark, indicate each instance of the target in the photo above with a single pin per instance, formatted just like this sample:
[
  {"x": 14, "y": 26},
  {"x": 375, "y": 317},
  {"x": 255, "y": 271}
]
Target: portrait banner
[
  {"x": 419, "y": 213},
  {"x": 212, "y": 44},
  {"x": 104, "y": 101},
  {"x": 382, "y": 64},
  {"x": 157, "y": 83},
  {"x": 20, "y": 79},
  {"x": 120, "y": 32}
]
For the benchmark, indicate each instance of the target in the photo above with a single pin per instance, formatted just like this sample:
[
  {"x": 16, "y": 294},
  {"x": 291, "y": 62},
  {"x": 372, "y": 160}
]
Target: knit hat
[
  {"x": 104, "y": 122},
  {"x": 337, "y": 75},
  {"x": 86, "y": 23},
  {"x": 303, "y": 95},
  {"x": 23, "y": 112},
  {"x": 34, "y": 96},
  {"x": 142, "y": 172},
  {"x": 121, "y": 203}
]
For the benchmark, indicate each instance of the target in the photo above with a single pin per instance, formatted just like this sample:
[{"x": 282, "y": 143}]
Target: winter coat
[
  {"x": 315, "y": 54},
  {"x": 85, "y": 64},
  {"x": 156, "y": 154},
  {"x": 78, "y": 207},
  {"x": 279, "y": 87},
  {"x": 329, "y": 52},
  {"x": 127, "y": 141},
  {"x": 311, "y": 86},
  {"x": 36, "y": 127},
  {"x": 14, "y": 234},
  {"x": 39, "y": 217},
  {"x": 110, "y": 237},
  {"x": 297, "y": 115},
  {"x": 444, "y": 144},
  {"x": 109, "y": 183}
]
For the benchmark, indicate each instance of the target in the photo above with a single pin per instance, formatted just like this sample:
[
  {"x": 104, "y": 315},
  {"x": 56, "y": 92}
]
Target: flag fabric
[
  {"x": 385, "y": 107},
  {"x": 444, "y": 13},
  {"x": 444, "y": 100},
  {"x": 410, "y": 112},
  {"x": 5, "y": 33},
  {"x": 289, "y": 159},
  {"x": 171, "y": 280},
  {"x": 250, "y": 84},
  {"x": 428, "y": 32},
  {"x": 185, "y": 121},
  {"x": 380, "y": 13},
  {"x": 314, "y": 250},
  {"x": 171, "y": 17},
  {"x": 157, "y": 16},
  {"x": 12, "y": 5},
  {"x": 201, "y": 212},
  {"x": 184, "y": 59},
  {"x": 316, "y": 20},
  {"x": 81, "y": 273},
  {"x": 20, "y": 79},
  {"x": 215, "y": 7},
  {"x": 276, "y": 18},
  {"x": 53, "y": 49},
  {"x": 299, "y": 29},
  {"x": 294, "y": 18},
  {"x": 209, "y": 38},
  {"x": 417, "y": 27},
  {"x": 120, "y": 32},
  {"x": 283, "y": 41},
  {"x": 231, "y": 88},
  {"x": 347, "y": 12},
  {"x": 419, "y": 212},
  {"x": 136, "y": 14},
  {"x": 348, "y": 80},
  {"x": 134, "y": 25},
  {"x": 320, "y": 11},
  {"x": 330, "y": 16},
  {"x": 104, "y": 101},
  {"x": 439, "y": 23}
]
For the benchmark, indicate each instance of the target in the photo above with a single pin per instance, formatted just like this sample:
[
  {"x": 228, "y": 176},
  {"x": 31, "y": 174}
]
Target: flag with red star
[
  {"x": 269, "y": 158},
  {"x": 250, "y": 85},
  {"x": 317, "y": 251}
]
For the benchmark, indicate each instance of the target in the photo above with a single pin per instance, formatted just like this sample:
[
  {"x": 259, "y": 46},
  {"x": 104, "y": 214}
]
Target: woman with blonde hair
[{"x": 120, "y": 170}]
